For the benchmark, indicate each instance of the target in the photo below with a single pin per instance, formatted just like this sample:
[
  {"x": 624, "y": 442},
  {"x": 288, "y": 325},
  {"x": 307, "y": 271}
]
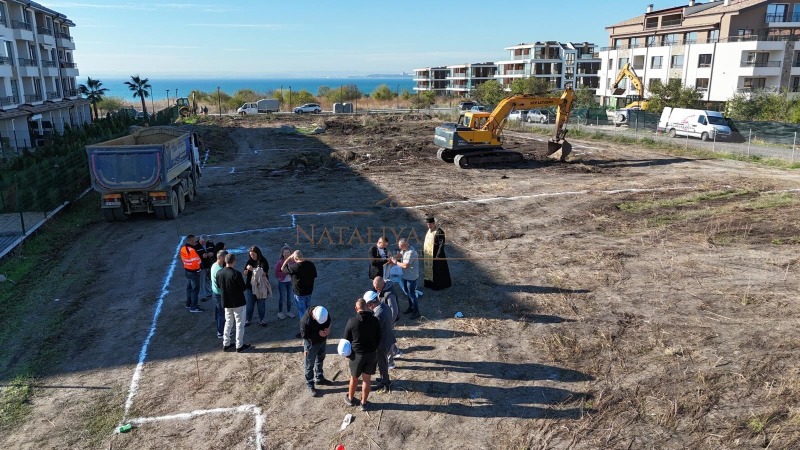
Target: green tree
[
  {"x": 140, "y": 87},
  {"x": 383, "y": 92},
  {"x": 343, "y": 93},
  {"x": 303, "y": 96},
  {"x": 585, "y": 98},
  {"x": 490, "y": 93},
  {"x": 322, "y": 91},
  {"x": 673, "y": 94},
  {"x": 531, "y": 86},
  {"x": 110, "y": 104},
  {"x": 423, "y": 99},
  {"x": 405, "y": 95},
  {"x": 93, "y": 90}
]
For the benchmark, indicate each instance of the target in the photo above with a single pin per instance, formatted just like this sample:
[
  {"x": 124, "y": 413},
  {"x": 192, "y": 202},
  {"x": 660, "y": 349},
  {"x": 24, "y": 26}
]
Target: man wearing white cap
[
  {"x": 314, "y": 328},
  {"x": 384, "y": 315}
]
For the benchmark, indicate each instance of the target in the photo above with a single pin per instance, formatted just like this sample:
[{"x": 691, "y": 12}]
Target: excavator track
[
  {"x": 487, "y": 158},
  {"x": 446, "y": 155}
]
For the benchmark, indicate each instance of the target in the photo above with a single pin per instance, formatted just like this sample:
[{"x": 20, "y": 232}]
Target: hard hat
[
  {"x": 320, "y": 314},
  {"x": 370, "y": 296},
  {"x": 344, "y": 348}
]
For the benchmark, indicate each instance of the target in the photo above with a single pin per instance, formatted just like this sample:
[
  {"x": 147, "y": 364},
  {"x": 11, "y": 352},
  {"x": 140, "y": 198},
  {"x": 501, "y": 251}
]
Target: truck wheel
[
  {"x": 671, "y": 132},
  {"x": 171, "y": 211},
  {"x": 704, "y": 137},
  {"x": 192, "y": 190},
  {"x": 181, "y": 197}
]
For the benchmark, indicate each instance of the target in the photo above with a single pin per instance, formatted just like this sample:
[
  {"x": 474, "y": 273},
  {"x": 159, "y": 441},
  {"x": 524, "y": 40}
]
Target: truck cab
[{"x": 248, "y": 108}]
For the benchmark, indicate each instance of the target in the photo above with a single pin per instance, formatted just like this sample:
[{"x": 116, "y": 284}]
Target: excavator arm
[{"x": 627, "y": 72}]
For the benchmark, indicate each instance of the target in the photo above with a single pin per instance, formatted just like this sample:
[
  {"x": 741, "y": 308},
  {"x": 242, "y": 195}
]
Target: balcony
[
  {"x": 760, "y": 64},
  {"x": 64, "y": 40},
  {"x": 44, "y": 31},
  {"x": 17, "y": 25},
  {"x": 671, "y": 23},
  {"x": 521, "y": 57},
  {"x": 5, "y": 60},
  {"x": 8, "y": 101},
  {"x": 53, "y": 95},
  {"x": 31, "y": 98},
  {"x": 70, "y": 92},
  {"x": 46, "y": 63},
  {"x": 27, "y": 62},
  {"x": 64, "y": 36},
  {"x": 778, "y": 18}
]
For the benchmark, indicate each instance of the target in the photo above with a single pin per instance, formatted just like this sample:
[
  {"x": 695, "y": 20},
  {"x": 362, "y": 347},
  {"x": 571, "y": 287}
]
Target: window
[
  {"x": 656, "y": 61},
  {"x": 796, "y": 59},
  {"x": 3, "y": 14},
  {"x": 638, "y": 62},
  {"x": 636, "y": 42},
  {"x": 776, "y": 12},
  {"x": 701, "y": 84},
  {"x": 676, "y": 62},
  {"x": 754, "y": 83},
  {"x": 713, "y": 36},
  {"x": 755, "y": 59},
  {"x": 652, "y": 41},
  {"x": 622, "y": 62},
  {"x": 704, "y": 60},
  {"x": 569, "y": 58},
  {"x": 795, "y": 84},
  {"x": 651, "y": 22},
  {"x": 619, "y": 43},
  {"x": 795, "y": 13},
  {"x": 743, "y": 34},
  {"x": 670, "y": 39},
  {"x": 690, "y": 38},
  {"x": 652, "y": 83}
]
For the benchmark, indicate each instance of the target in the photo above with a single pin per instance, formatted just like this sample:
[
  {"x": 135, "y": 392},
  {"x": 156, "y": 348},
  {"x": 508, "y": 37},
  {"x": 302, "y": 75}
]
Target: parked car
[
  {"x": 139, "y": 115},
  {"x": 520, "y": 115},
  {"x": 466, "y": 105},
  {"x": 479, "y": 108},
  {"x": 308, "y": 108},
  {"x": 538, "y": 116}
]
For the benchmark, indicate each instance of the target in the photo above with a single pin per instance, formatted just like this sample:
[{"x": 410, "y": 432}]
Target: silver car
[
  {"x": 520, "y": 115},
  {"x": 538, "y": 116}
]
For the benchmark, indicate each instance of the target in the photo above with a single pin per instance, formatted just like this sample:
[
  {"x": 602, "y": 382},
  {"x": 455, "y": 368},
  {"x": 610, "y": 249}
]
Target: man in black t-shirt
[
  {"x": 364, "y": 333},
  {"x": 303, "y": 274}
]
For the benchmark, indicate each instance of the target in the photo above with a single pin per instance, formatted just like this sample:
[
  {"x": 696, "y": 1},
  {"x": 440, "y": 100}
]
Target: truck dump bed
[{"x": 147, "y": 159}]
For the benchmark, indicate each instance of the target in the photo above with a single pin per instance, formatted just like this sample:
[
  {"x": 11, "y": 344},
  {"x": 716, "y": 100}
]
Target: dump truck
[
  {"x": 153, "y": 170},
  {"x": 265, "y": 105}
]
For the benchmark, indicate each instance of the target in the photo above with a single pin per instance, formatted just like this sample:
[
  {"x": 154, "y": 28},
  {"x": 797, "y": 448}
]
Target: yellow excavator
[
  {"x": 632, "y": 101},
  {"x": 476, "y": 139}
]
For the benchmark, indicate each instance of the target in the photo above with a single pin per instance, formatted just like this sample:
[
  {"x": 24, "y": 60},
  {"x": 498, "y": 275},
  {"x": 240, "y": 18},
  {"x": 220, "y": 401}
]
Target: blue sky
[{"x": 257, "y": 38}]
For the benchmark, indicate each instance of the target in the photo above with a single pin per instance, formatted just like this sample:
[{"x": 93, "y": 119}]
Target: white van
[
  {"x": 706, "y": 125},
  {"x": 261, "y": 106}
]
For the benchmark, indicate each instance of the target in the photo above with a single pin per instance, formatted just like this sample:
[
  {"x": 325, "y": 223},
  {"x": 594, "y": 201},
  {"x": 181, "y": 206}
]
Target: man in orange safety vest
[{"x": 191, "y": 266}]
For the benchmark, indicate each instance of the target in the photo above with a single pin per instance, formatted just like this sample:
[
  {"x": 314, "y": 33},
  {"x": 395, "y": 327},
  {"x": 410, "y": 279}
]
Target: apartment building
[
  {"x": 38, "y": 91},
  {"x": 456, "y": 80},
  {"x": 561, "y": 64},
  {"x": 719, "y": 47}
]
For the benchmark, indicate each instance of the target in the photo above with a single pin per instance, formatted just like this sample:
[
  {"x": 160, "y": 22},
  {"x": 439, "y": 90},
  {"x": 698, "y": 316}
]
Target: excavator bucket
[
  {"x": 554, "y": 146},
  {"x": 618, "y": 91}
]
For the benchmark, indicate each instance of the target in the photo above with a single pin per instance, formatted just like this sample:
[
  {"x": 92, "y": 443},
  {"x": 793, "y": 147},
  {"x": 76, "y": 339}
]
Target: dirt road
[{"x": 627, "y": 299}]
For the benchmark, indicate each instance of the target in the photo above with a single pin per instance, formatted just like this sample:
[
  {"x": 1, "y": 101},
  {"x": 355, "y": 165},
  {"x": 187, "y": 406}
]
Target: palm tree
[
  {"x": 94, "y": 92},
  {"x": 139, "y": 86}
]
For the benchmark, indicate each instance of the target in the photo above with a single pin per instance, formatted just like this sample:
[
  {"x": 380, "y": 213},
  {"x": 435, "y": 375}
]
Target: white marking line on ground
[
  {"x": 251, "y": 409},
  {"x": 233, "y": 170},
  {"x": 205, "y": 159},
  {"x": 137, "y": 374}
]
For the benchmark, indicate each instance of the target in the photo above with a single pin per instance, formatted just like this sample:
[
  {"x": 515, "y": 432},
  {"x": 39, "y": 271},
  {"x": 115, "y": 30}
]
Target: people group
[{"x": 211, "y": 273}]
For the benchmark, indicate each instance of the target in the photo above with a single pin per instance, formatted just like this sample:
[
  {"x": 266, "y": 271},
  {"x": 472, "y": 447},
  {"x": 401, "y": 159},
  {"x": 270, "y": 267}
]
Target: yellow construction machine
[
  {"x": 632, "y": 101},
  {"x": 476, "y": 139}
]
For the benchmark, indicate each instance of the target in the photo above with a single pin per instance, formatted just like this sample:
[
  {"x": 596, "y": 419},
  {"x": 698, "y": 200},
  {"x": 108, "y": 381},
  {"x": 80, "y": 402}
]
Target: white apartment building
[
  {"x": 38, "y": 91},
  {"x": 719, "y": 47},
  {"x": 456, "y": 80},
  {"x": 561, "y": 64}
]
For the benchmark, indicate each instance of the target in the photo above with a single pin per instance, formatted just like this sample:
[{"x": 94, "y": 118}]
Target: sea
[{"x": 117, "y": 88}]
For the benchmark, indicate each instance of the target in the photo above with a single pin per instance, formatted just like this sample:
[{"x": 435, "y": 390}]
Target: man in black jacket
[
  {"x": 231, "y": 286},
  {"x": 378, "y": 258},
  {"x": 364, "y": 333},
  {"x": 205, "y": 249},
  {"x": 314, "y": 328}
]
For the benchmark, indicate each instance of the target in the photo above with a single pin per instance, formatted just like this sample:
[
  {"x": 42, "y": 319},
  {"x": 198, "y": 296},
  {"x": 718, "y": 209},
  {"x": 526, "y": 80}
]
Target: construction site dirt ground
[{"x": 626, "y": 299}]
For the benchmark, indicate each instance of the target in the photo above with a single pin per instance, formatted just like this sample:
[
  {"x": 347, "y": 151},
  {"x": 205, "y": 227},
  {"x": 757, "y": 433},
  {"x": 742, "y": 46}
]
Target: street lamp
[
  {"x": 290, "y": 98},
  {"x": 219, "y": 102},
  {"x": 167, "y": 98},
  {"x": 152, "y": 108},
  {"x": 176, "y": 94},
  {"x": 397, "y": 97},
  {"x": 282, "y": 99}
]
